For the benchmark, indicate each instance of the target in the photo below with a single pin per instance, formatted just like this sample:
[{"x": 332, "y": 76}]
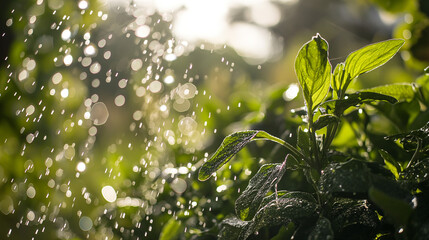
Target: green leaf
[
  {"x": 400, "y": 91},
  {"x": 313, "y": 70},
  {"x": 398, "y": 210},
  {"x": 370, "y": 57},
  {"x": 418, "y": 174},
  {"x": 322, "y": 230},
  {"x": 350, "y": 179},
  {"x": 338, "y": 78},
  {"x": 249, "y": 201},
  {"x": 391, "y": 163},
  {"x": 324, "y": 120},
  {"x": 171, "y": 230},
  {"x": 304, "y": 141},
  {"x": 231, "y": 228},
  {"x": 352, "y": 217},
  {"x": 412, "y": 139},
  {"x": 338, "y": 106},
  {"x": 232, "y": 144},
  {"x": 281, "y": 211},
  {"x": 288, "y": 194}
]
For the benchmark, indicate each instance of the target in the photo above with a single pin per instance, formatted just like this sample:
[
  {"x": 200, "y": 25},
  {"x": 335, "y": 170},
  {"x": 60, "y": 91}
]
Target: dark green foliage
[
  {"x": 373, "y": 189},
  {"x": 267, "y": 176}
]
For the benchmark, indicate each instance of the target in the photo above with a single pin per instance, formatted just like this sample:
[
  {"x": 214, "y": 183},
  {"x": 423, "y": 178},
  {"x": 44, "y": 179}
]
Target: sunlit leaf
[
  {"x": 171, "y": 230},
  {"x": 340, "y": 105},
  {"x": 268, "y": 175},
  {"x": 370, "y": 57},
  {"x": 400, "y": 91},
  {"x": 313, "y": 70},
  {"x": 232, "y": 144},
  {"x": 391, "y": 163},
  {"x": 338, "y": 77}
]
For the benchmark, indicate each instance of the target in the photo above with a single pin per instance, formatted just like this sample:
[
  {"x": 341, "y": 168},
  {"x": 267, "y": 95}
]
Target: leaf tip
[{"x": 203, "y": 175}]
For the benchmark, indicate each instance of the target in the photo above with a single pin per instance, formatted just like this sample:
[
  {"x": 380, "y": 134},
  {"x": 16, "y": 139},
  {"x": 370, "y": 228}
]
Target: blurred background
[{"x": 109, "y": 107}]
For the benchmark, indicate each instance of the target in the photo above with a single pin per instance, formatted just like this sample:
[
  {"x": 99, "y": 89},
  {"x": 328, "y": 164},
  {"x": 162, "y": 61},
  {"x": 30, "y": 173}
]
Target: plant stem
[{"x": 315, "y": 149}]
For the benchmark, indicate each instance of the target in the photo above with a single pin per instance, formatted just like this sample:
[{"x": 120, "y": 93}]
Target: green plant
[{"x": 376, "y": 189}]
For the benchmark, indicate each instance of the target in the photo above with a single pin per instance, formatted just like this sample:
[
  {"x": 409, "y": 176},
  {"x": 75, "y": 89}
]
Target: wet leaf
[
  {"x": 231, "y": 228},
  {"x": 418, "y": 174},
  {"x": 288, "y": 194},
  {"x": 322, "y": 230},
  {"x": 324, "y": 120},
  {"x": 230, "y": 146},
  {"x": 313, "y": 70},
  {"x": 410, "y": 139},
  {"x": 349, "y": 217},
  {"x": 281, "y": 211},
  {"x": 350, "y": 178},
  {"x": 370, "y": 57},
  {"x": 249, "y": 201},
  {"x": 340, "y": 105},
  {"x": 400, "y": 91}
]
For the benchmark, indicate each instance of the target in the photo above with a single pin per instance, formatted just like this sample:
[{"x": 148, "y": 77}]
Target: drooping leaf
[
  {"x": 172, "y": 230},
  {"x": 370, "y": 57},
  {"x": 322, "y": 230},
  {"x": 232, "y": 144},
  {"x": 391, "y": 163},
  {"x": 324, "y": 120},
  {"x": 313, "y": 70},
  {"x": 281, "y": 211},
  {"x": 338, "y": 77},
  {"x": 400, "y": 91},
  {"x": 249, "y": 201},
  {"x": 338, "y": 106},
  {"x": 231, "y": 228}
]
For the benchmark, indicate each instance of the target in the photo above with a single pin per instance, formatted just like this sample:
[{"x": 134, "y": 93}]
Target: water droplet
[{"x": 109, "y": 193}]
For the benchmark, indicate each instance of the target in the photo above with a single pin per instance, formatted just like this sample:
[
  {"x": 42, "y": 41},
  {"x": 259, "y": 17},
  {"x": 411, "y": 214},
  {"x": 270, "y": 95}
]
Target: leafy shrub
[{"x": 375, "y": 189}]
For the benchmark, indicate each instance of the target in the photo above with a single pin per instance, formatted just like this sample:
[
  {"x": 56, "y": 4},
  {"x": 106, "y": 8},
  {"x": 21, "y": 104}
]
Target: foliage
[{"x": 372, "y": 190}]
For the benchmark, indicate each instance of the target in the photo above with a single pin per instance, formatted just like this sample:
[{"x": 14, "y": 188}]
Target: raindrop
[
  {"x": 83, "y": 4},
  {"x": 31, "y": 192},
  {"x": 81, "y": 166},
  {"x": 68, "y": 59},
  {"x": 99, "y": 113},
  {"x": 179, "y": 185},
  {"x": 109, "y": 193},
  {"x": 64, "y": 93},
  {"x": 85, "y": 223},
  {"x": 120, "y": 100}
]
